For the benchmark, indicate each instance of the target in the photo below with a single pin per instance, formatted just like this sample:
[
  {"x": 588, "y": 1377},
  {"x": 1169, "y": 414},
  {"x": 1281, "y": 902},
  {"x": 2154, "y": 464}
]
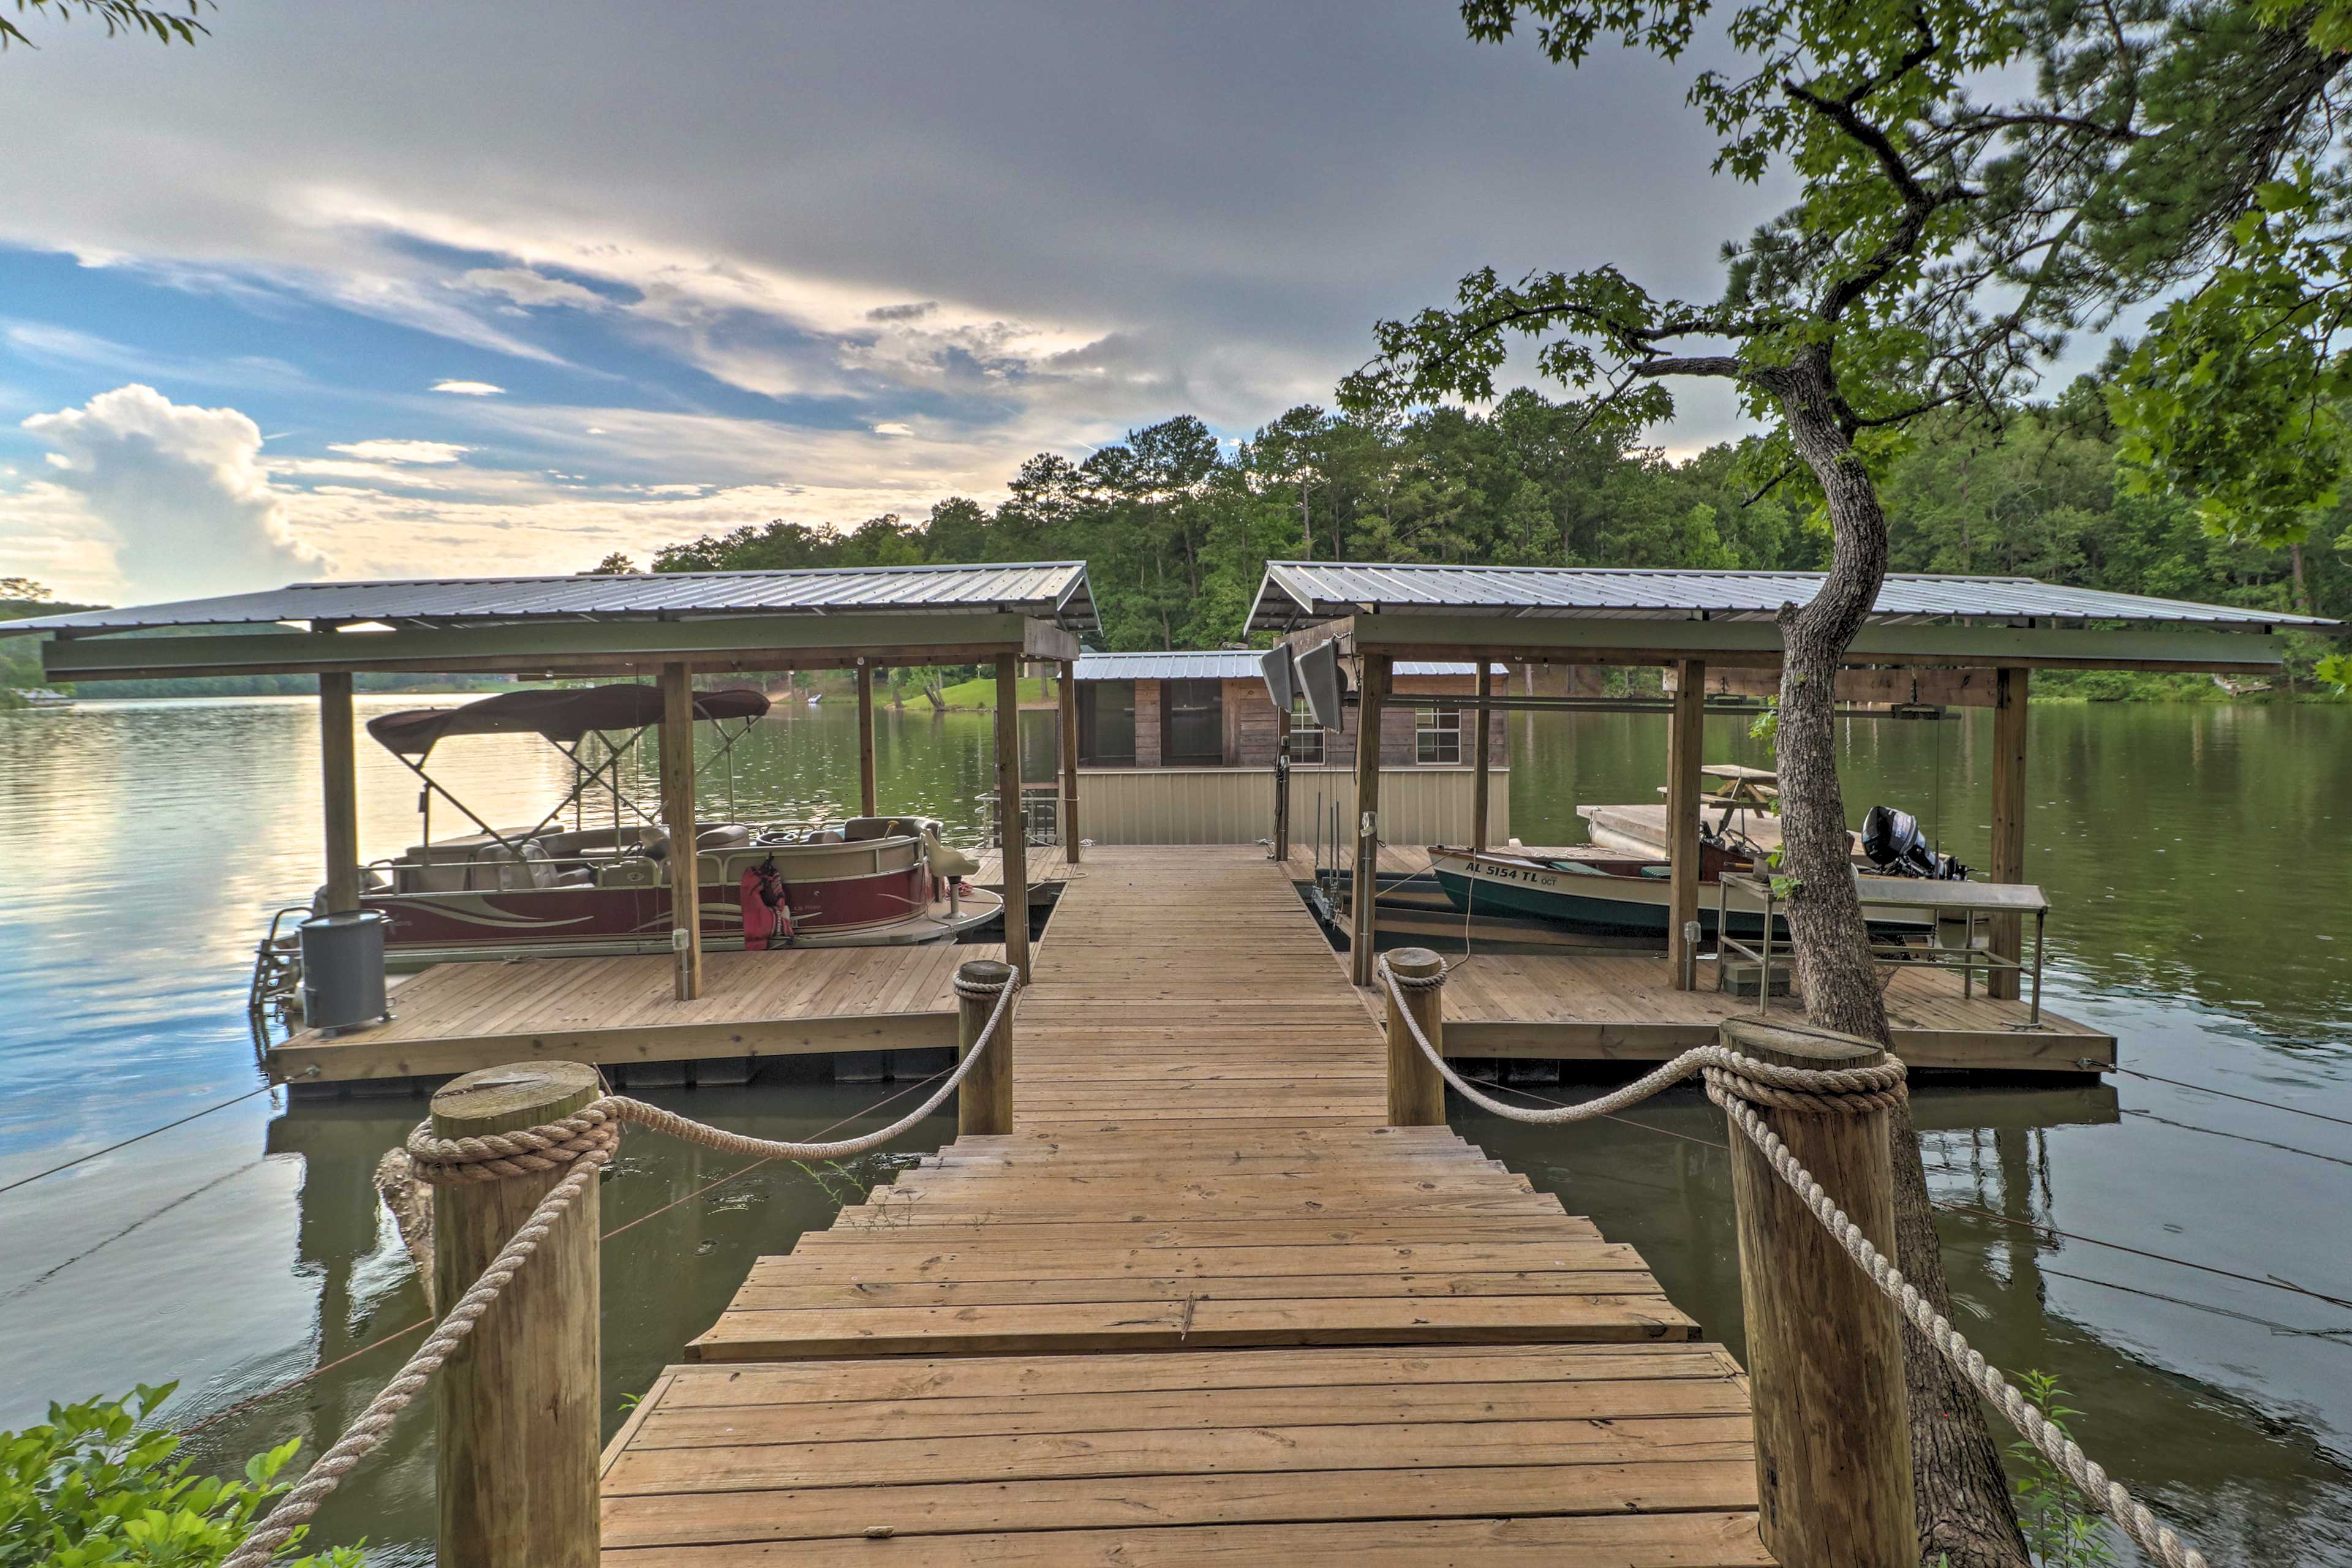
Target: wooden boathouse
[
  {"x": 1184, "y": 748},
  {"x": 1930, "y": 643},
  {"x": 646, "y": 1012}
]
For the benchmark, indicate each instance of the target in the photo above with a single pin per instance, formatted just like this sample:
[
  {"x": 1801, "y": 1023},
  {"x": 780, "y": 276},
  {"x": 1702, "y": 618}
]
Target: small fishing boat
[
  {"x": 1608, "y": 889},
  {"x": 551, "y": 889},
  {"x": 42, "y": 696}
]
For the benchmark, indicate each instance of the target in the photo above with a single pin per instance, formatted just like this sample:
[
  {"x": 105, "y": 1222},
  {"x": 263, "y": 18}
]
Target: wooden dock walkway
[{"x": 1200, "y": 1305}]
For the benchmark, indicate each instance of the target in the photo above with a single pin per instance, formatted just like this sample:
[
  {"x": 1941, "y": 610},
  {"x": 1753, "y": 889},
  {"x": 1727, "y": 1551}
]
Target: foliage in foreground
[
  {"x": 2060, "y": 1528},
  {"x": 98, "y": 1485}
]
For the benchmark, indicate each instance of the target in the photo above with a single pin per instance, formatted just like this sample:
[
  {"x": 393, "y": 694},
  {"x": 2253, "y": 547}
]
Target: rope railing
[
  {"x": 585, "y": 1141},
  {"x": 1739, "y": 1083}
]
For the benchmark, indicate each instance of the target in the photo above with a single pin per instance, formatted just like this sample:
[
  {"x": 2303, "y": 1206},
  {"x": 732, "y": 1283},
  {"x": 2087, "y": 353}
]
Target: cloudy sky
[{"x": 441, "y": 289}]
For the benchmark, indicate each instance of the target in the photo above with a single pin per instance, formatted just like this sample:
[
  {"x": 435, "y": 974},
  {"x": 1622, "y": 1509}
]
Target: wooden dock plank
[
  {"x": 1200, "y": 1299},
  {"x": 455, "y": 1017}
]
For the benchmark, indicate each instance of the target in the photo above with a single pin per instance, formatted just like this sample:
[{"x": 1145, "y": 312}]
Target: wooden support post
[
  {"x": 1011, "y": 827},
  {"x": 867, "y": 796},
  {"x": 1685, "y": 749},
  {"x": 1363, "y": 926},
  {"x": 985, "y": 1101},
  {"x": 2006, "y": 936},
  {"x": 1069, "y": 750},
  {"x": 1281, "y": 856},
  {"x": 1483, "y": 772},
  {"x": 1824, "y": 1354},
  {"x": 519, "y": 1406},
  {"x": 338, "y": 781},
  {"x": 1416, "y": 1092},
  {"x": 678, "y": 819}
]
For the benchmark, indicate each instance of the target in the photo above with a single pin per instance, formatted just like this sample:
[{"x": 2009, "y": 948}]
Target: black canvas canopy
[{"x": 560, "y": 715}]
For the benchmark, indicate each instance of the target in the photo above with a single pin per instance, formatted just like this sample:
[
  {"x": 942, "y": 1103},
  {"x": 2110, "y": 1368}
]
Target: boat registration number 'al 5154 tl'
[{"x": 1530, "y": 875}]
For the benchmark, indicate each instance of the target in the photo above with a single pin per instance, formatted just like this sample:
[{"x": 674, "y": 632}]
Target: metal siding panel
[
  {"x": 1043, "y": 589},
  {"x": 1330, "y": 589}
]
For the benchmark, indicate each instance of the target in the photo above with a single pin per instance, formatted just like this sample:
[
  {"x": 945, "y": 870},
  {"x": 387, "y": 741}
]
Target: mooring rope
[
  {"x": 1740, "y": 1083},
  {"x": 585, "y": 1141}
]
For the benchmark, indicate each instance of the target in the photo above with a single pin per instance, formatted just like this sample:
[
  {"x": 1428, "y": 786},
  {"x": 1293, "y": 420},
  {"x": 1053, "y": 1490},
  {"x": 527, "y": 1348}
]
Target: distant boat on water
[{"x": 42, "y": 696}]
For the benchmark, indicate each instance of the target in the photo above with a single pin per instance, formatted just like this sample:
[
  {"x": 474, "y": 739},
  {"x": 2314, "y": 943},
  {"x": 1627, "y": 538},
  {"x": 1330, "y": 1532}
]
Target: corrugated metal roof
[
  {"x": 1225, "y": 664},
  {"x": 1052, "y": 590},
  {"x": 1301, "y": 592}
]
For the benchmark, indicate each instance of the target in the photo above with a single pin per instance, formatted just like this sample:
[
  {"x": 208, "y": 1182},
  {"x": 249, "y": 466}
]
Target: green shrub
[
  {"x": 98, "y": 1485},
  {"x": 2060, "y": 1527}
]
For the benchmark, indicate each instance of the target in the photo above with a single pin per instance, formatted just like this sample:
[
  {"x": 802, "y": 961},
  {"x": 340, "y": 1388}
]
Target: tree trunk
[{"x": 1962, "y": 1497}]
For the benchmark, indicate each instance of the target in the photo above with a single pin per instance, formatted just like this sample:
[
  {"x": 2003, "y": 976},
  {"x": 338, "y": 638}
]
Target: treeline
[{"x": 1176, "y": 531}]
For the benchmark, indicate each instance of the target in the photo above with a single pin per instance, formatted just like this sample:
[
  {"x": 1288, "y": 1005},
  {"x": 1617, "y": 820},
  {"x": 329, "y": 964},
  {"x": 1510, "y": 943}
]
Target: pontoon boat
[{"x": 550, "y": 889}]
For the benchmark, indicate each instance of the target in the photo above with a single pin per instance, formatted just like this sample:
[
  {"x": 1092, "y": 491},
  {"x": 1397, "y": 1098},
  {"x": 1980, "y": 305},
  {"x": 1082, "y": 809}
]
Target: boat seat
[
  {"x": 524, "y": 868},
  {"x": 826, "y": 835},
  {"x": 727, "y": 835},
  {"x": 947, "y": 860}
]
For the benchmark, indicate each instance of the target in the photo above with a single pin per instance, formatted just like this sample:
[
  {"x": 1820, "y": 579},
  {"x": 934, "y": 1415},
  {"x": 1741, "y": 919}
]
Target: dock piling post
[
  {"x": 338, "y": 774},
  {"x": 984, "y": 1102},
  {"x": 679, "y": 820},
  {"x": 1482, "y": 765},
  {"x": 517, "y": 1406},
  {"x": 1363, "y": 924},
  {"x": 2007, "y": 935},
  {"x": 868, "y": 794},
  {"x": 1686, "y": 752},
  {"x": 1011, "y": 822},
  {"x": 1069, "y": 750},
  {"x": 1824, "y": 1349},
  {"x": 1416, "y": 1092}
]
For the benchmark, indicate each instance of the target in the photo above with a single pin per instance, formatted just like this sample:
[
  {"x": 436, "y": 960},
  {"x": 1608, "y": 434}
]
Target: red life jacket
[{"x": 766, "y": 915}]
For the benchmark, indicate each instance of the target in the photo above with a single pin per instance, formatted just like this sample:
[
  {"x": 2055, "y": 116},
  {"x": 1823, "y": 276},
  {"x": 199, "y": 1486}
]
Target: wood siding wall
[
  {"x": 1147, "y": 732},
  {"x": 1235, "y": 806},
  {"x": 1253, "y": 732}
]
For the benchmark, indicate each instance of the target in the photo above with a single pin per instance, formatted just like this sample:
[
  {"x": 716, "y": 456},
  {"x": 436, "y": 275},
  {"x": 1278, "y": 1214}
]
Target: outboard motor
[{"x": 1893, "y": 842}]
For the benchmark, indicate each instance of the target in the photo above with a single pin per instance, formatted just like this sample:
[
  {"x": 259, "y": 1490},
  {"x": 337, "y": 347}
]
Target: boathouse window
[
  {"x": 1306, "y": 737},
  {"x": 1107, "y": 723},
  {"x": 1436, "y": 736},
  {"x": 1193, "y": 723}
]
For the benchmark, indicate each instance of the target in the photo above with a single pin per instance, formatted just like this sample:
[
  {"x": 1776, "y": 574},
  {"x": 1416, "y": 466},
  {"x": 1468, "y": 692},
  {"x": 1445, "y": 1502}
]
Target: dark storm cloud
[{"x": 1236, "y": 191}]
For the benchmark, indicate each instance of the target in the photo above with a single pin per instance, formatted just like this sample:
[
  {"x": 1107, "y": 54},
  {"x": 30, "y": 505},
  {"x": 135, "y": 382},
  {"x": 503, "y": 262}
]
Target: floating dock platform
[
  {"x": 622, "y": 1012},
  {"x": 1614, "y": 1001}
]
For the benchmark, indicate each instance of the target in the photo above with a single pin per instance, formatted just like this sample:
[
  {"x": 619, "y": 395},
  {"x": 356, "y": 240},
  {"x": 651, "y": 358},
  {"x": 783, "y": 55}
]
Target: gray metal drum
[{"x": 342, "y": 970}]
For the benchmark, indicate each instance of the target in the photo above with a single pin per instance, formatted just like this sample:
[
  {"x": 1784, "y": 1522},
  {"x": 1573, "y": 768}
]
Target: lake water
[{"x": 2195, "y": 856}]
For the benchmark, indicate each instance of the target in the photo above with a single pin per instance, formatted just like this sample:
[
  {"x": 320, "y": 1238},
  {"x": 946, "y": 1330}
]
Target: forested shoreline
[{"x": 1176, "y": 530}]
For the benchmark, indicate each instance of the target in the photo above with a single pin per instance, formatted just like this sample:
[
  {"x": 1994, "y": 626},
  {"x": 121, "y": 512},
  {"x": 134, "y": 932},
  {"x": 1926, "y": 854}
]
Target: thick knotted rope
[
  {"x": 1825, "y": 1091},
  {"x": 585, "y": 1141},
  {"x": 595, "y": 1128},
  {"x": 1740, "y": 1083}
]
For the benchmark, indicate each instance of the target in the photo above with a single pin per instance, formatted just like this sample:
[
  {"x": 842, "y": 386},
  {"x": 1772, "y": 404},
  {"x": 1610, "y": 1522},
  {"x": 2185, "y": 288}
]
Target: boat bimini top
[{"x": 564, "y": 717}]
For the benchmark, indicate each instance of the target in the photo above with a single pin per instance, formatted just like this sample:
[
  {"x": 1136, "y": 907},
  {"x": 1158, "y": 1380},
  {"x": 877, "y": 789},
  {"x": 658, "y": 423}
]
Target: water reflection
[{"x": 2189, "y": 851}]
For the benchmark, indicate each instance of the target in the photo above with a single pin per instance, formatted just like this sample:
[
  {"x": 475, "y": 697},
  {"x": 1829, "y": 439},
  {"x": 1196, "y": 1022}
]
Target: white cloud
[
  {"x": 468, "y": 388},
  {"x": 179, "y": 492},
  {"x": 524, "y": 286},
  {"x": 894, "y": 427},
  {"x": 402, "y": 451}
]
